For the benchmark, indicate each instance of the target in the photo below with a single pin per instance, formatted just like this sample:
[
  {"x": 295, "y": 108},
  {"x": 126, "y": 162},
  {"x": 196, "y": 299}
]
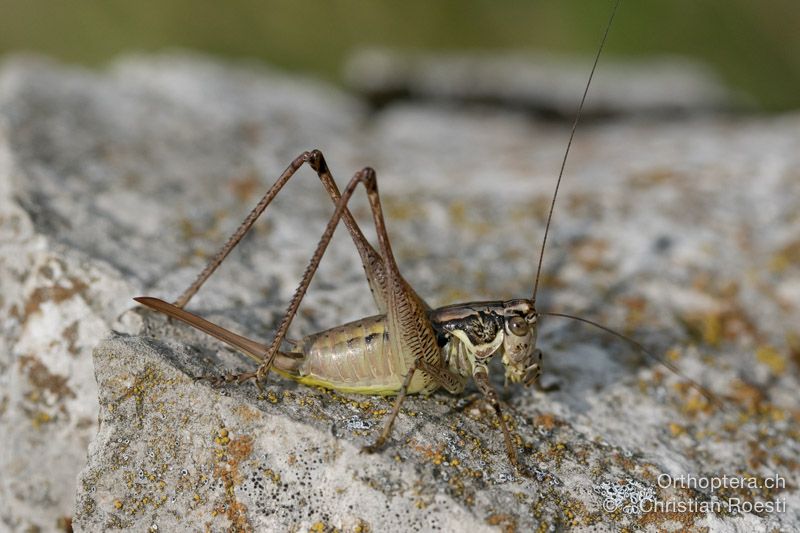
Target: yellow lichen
[
  {"x": 712, "y": 329},
  {"x": 222, "y": 437},
  {"x": 771, "y": 357},
  {"x": 676, "y": 429}
]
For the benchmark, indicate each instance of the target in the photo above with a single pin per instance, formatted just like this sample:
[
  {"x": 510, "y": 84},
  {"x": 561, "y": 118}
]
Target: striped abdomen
[{"x": 355, "y": 357}]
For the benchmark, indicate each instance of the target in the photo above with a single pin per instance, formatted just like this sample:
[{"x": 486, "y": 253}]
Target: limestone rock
[
  {"x": 546, "y": 85},
  {"x": 682, "y": 235}
]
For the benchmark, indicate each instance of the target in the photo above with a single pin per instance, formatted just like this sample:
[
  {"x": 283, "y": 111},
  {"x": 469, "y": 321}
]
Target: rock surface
[
  {"x": 683, "y": 235},
  {"x": 547, "y": 85}
]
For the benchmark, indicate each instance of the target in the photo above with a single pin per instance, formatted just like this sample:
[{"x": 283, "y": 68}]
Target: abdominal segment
[{"x": 356, "y": 357}]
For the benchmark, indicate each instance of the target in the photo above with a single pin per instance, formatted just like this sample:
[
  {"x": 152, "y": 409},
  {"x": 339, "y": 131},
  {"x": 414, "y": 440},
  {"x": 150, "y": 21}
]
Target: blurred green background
[{"x": 754, "y": 45}]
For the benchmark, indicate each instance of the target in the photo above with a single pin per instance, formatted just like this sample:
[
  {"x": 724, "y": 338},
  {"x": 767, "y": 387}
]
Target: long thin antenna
[
  {"x": 710, "y": 396},
  {"x": 569, "y": 144}
]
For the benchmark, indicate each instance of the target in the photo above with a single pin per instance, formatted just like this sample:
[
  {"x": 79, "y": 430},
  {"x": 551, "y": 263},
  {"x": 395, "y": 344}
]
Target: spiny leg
[
  {"x": 481, "y": 376},
  {"x": 373, "y": 264},
  {"x": 241, "y": 231},
  {"x": 267, "y": 357},
  {"x": 451, "y": 381},
  {"x": 387, "y": 426},
  {"x": 365, "y": 176},
  {"x": 372, "y": 261},
  {"x": 442, "y": 376},
  {"x": 288, "y": 362},
  {"x": 410, "y": 329}
]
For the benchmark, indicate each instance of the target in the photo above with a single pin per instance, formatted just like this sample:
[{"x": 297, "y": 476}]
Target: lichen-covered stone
[{"x": 682, "y": 235}]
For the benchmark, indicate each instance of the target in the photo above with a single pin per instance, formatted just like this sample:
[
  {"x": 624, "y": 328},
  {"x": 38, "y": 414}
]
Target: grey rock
[
  {"x": 683, "y": 235},
  {"x": 541, "y": 83}
]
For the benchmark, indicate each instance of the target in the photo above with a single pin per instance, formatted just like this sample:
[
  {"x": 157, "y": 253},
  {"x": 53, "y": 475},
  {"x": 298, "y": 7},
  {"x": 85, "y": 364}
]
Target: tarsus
[{"x": 569, "y": 144}]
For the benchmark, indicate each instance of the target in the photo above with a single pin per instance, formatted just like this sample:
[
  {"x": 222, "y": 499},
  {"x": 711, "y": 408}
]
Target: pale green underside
[{"x": 374, "y": 390}]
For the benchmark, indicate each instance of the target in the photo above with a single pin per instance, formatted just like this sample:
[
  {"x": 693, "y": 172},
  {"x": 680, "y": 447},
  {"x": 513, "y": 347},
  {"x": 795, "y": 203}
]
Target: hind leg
[{"x": 370, "y": 259}]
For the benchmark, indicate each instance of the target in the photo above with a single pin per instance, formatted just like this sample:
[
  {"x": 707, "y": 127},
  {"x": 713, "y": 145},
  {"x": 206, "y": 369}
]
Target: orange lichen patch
[
  {"x": 590, "y": 252},
  {"x": 187, "y": 229},
  {"x": 248, "y": 414},
  {"x": 551, "y": 281},
  {"x": 686, "y": 518},
  {"x": 754, "y": 401},
  {"x": 507, "y": 522},
  {"x": 236, "y": 451},
  {"x": 42, "y": 379},
  {"x": 402, "y": 209},
  {"x": 70, "y": 334},
  {"x": 654, "y": 177},
  {"x": 556, "y": 452},
  {"x": 636, "y": 306},
  {"x": 436, "y": 456},
  {"x": 272, "y": 397},
  {"x": 55, "y": 294},
  {"x": 64, "y": 523},
  {"x": 536, "y": 207},
  {"x": 246, "y": 186},
  {"x": 546, "y": 421},
  {"x": 626, "y": 462},
  {"x": 582, "y": 201},
  {"x": 771, "y": 357},
  {"x": 758, "y": 455},
  {"x": 748, "y": 396},
  {"x": 705, "y": 328}
]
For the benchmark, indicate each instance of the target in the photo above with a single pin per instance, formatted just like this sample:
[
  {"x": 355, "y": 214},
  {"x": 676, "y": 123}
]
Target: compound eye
[{"x": 518, "y": 326}]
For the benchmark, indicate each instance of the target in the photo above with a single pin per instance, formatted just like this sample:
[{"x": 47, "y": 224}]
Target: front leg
[{"x": 481, "y": 376}]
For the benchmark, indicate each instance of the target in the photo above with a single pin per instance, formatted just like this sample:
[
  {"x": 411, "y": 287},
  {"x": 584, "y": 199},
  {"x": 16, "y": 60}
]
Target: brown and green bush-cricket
[{"x": 408, "y": 347}]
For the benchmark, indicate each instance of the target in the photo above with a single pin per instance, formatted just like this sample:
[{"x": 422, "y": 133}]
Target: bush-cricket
[{"x": 408, "y": 347}]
